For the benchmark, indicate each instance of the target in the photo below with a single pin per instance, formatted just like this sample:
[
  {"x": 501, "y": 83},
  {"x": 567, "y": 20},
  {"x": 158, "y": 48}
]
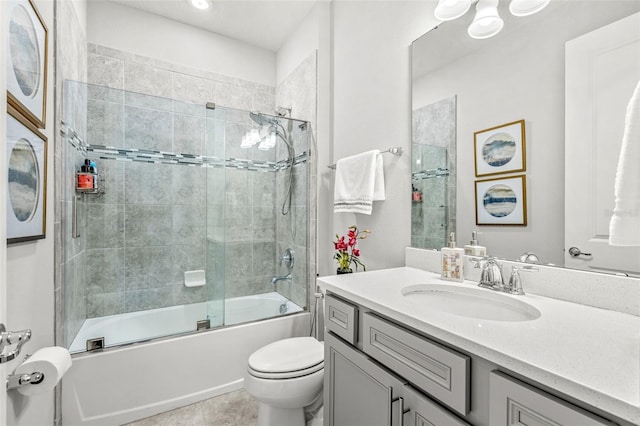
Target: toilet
[{"x": 285, "y": 377}]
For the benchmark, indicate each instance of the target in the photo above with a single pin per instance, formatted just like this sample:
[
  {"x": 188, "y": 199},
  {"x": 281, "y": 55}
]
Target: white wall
[
  {"x": 29, "y": 272},
  {"x": 304, "y": 40},
  {"x": 161, "y": 38},
  {"x": 372, "y": 110}
]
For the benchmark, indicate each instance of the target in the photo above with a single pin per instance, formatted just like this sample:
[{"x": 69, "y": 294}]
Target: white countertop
[{"x": 588, "y": 353}]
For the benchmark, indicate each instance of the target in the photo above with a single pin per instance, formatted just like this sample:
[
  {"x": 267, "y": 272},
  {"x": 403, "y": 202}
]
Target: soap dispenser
[
  {"x": 473, "y": 248},
  {"x": 452, "y": 261}
]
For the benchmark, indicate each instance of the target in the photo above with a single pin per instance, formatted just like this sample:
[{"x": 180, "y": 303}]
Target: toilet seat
[{"x": 287, "y": 359}]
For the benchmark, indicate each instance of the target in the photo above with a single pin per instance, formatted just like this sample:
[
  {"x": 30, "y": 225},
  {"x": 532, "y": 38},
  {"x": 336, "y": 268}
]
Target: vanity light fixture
[
  {"x": 487, "y": 21},
  {"x": 200, "y": 4}
]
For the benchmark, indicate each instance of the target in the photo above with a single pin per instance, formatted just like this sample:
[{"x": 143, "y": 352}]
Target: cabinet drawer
[
  {"x": 340, "y": 317},
  {"x": 516, "y": 403},
  {"x": 421, "y": 411},
  {"x": 437, "y": 370}
]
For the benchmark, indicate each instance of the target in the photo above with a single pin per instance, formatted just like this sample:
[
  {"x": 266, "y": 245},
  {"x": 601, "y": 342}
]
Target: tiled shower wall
[
  {"x": 70, "y": 262},
  {"x": 162, "y": 208},
  {"x": 240, "y": 219},
  {"x": 434, "y": 144},
  {"x": 297, "y": 229}
]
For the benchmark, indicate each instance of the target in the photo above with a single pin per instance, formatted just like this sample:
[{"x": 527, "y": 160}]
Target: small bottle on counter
[
  {"x": 473, "y": 248},
  {"x": 452, "y": 261}
]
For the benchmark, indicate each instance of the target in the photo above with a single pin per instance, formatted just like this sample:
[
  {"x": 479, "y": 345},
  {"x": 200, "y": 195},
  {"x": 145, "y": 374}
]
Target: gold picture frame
[
  {"x": 27, "y": 61},
  {"x": 26, "y": 150},
  {"x": 500, "y": 149},
  {"x": 502, "y": 201}
]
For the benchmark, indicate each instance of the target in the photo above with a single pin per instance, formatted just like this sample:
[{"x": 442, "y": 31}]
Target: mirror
[{"x": 518, "y": 74}]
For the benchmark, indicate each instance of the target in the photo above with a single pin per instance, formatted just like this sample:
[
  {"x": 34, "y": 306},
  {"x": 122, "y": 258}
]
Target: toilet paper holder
[
  {"x": 15, "y": 381},
  {"x": 7, "y": 338}
]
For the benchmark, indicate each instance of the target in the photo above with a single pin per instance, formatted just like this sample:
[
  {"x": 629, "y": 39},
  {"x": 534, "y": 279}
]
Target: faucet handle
[
  {"x": 515, "y": 282},
  {"x": 479, "y": 261}
]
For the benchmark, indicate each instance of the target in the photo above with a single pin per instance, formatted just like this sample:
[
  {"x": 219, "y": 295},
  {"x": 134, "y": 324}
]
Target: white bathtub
[
  {"x": 132, "y": 382},
  {"x": 144, "y": 325}
]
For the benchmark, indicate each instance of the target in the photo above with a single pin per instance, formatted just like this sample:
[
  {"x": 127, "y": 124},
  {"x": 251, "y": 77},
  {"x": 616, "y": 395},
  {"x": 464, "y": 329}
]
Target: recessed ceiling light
[{"x": 200, "y": 4}]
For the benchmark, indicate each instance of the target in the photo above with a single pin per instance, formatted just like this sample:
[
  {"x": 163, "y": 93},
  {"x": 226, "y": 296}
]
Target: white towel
[
  {"x": 359, "y": 181},
  {"x": 624, "y": 227}
]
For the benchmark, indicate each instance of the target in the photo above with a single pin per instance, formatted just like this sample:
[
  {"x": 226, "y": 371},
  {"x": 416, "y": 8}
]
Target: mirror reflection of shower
[{"x": 265, "y": 137}]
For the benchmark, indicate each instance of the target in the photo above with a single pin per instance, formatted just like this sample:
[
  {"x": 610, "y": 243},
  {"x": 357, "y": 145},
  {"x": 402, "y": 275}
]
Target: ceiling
[{"x": 262, "y": 23}]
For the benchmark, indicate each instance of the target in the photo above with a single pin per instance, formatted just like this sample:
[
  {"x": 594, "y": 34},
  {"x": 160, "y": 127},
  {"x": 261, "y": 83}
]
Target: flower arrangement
[{"x": 346, "y": 250}]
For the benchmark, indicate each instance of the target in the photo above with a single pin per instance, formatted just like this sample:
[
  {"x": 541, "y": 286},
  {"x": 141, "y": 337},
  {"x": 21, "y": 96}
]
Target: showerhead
[
  {"x": 262, "y": 120},
  {"x": 274, "y": 126}
]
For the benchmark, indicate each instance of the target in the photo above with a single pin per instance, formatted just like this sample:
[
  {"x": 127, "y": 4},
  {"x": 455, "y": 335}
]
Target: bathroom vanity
[{"x": 392, "y": 357}]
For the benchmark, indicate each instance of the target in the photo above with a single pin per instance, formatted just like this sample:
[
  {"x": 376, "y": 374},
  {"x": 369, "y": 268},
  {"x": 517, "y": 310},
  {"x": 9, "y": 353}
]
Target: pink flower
[{"x": 346, "y": 252}]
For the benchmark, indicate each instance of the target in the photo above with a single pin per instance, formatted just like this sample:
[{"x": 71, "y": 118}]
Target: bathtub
[
  {"x": 127, "y": 383},
  {"x": 144, "y": 325}
]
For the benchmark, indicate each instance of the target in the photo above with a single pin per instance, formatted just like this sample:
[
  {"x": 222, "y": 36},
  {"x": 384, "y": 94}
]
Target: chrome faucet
[
  {"x": 277, "y": 278},
  {"x": 491, "y": 274}
]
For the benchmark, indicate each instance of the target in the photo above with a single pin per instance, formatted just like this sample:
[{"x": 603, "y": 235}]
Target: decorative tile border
[{"x": 105, "y": 152}]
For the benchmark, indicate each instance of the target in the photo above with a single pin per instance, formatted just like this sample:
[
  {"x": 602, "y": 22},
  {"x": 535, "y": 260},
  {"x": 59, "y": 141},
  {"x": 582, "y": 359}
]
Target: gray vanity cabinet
[
  {"x": 382, "y": 373},
  {"x": 514, "y": 403},
  {"x": 357, "y": 391}
]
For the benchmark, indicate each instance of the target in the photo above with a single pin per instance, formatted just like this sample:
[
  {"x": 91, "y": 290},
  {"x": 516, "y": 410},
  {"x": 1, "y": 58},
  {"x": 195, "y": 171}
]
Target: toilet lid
[{"x": 288, "y": 355}]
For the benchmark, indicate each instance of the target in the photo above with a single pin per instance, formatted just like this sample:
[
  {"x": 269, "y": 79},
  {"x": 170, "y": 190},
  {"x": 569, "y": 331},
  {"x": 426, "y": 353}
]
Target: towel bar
[{"x": 396, "y": 150}]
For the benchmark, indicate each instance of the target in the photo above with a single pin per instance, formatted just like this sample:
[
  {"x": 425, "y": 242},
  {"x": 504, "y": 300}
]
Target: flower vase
[{"x": 341, "y": 271}]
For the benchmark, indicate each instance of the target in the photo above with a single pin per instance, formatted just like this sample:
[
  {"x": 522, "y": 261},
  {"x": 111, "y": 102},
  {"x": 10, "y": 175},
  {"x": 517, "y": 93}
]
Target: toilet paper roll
[{"x": 53, "y": 362}]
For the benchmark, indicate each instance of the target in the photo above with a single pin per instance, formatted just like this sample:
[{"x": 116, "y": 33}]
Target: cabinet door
[
  {"x": 441, "y": 372},
  {"x": 358, "y": 392},
  {"x": 514, "y": 403},
  {"x": 421, "y": 411}
]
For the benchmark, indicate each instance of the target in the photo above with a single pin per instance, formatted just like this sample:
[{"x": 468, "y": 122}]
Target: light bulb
[
  {"x": 487, "y": 22},
  {"x": 446, "y": 10},
  {"x": 527, "y": 7},
  {"x": 254, "y": 136},
  {"x": 271, "y": 140},
  {"x": 245, "y": 142},
  {"x": 200, "y": 4}
]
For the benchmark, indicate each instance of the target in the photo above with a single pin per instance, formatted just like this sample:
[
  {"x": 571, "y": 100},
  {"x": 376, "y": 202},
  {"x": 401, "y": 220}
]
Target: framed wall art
[
  {"x": 502, "y": 201},
  {"x": 500, "y": 149},
  {"x": 27, "y": 179},
  {"x": 27, "y": 61}
]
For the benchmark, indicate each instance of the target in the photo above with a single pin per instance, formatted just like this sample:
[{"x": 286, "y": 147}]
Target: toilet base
[{"x": 268, "y": 415}]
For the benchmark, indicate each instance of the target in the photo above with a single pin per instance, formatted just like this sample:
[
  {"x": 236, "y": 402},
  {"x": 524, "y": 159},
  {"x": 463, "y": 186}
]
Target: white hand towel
[
  {"x": 624, "y": 227},
  {"x": 359, "y": 181}
]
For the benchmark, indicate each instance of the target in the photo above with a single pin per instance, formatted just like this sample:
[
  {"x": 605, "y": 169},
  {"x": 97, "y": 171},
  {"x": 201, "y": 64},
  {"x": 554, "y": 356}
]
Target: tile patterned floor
[{"x": 232, "y": 409}]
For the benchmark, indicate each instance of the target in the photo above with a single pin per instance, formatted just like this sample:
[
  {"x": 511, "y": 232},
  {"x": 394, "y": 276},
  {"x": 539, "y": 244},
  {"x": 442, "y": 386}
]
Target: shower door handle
[{"x": 74, "y": 217}]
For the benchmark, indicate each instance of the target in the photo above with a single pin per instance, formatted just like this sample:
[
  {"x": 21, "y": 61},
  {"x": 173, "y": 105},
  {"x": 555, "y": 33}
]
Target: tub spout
[{"x": 277, "y": 278}]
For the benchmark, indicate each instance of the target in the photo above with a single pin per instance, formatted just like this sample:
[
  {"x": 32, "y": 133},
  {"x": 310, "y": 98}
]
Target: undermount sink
[{"x": 471, "y": 302}]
